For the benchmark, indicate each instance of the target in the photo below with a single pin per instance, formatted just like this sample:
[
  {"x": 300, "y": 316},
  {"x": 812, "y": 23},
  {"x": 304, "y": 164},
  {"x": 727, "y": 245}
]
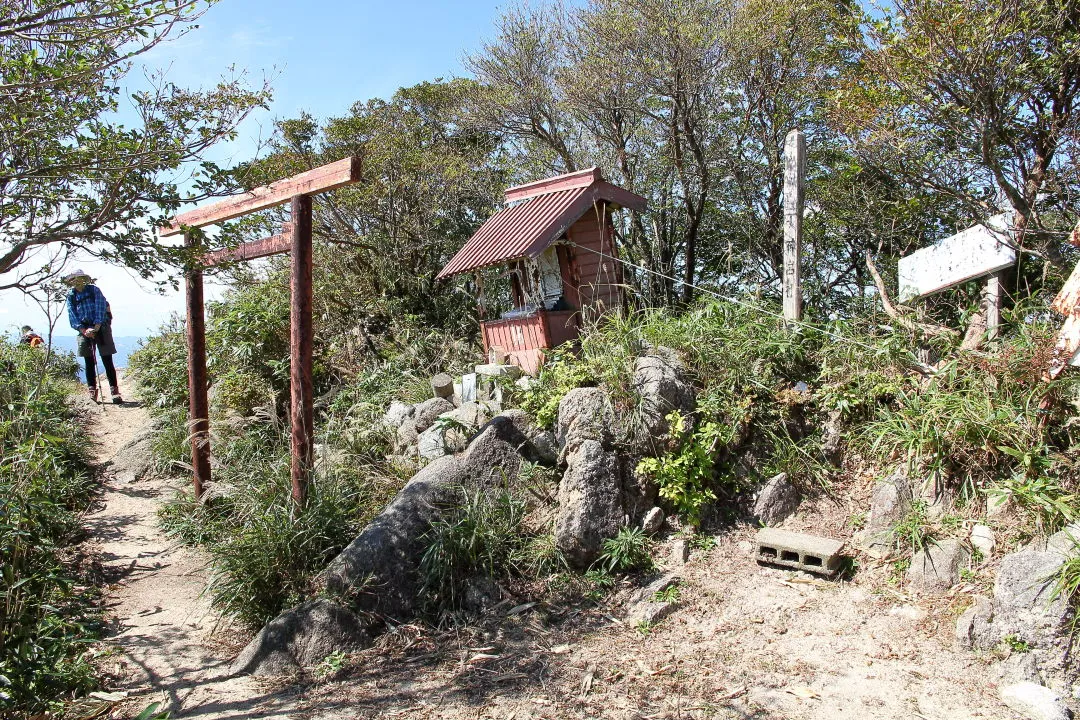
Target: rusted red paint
[
  {"x": 527, "y": 228},
  {"x": 301, "y": 338},
  {"x": 198, "y": 401},
  {"x": 524, "y": 339},
  {"x": 280, "y": 243}
]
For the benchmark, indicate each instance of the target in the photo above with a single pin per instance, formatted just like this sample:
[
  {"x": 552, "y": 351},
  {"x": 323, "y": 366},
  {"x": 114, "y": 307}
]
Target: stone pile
[{"x": 443, "y": 424}]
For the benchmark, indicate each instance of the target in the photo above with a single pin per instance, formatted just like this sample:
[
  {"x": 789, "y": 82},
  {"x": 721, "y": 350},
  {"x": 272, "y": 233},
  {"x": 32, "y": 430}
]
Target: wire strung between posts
[{"x": 815, "y": 328}]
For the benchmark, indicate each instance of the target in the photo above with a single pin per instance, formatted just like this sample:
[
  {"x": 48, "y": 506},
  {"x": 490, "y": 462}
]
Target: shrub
[
  {"x": 47, "y": 618},
  {"x": 628, "y": 551},
  {"x": 482, "y": 538}
]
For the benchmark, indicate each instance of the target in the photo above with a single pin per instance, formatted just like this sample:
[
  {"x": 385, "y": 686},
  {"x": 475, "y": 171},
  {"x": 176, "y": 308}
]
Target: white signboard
[{"x": 975, "y": 252}]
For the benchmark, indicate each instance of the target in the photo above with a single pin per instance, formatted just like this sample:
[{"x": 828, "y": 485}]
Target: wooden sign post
[
  {"x": 979, "y": 251},
  {"x": 296, "y": 239},
  {"x": 794, "y": 172}
]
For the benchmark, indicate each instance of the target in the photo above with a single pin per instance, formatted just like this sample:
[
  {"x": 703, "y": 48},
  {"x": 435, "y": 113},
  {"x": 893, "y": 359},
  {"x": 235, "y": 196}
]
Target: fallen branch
[{"x": 931, "y": 329}]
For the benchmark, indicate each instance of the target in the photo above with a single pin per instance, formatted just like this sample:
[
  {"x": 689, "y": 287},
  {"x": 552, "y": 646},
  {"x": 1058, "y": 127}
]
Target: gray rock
[
  {"x": 470, "y": 414},
  {"x": 653, "y": 521},
  {"x": 650, "y": 612},
  {"x": 1025, "y": 581},
  {"x": 428, "y": 411},
  {"x": 680, "y": 551},
  {"x": 301, "y": 638},
  {"x": 547, "y": 449},
  {"x": 1035, "y": 701},
  {"x": 378, "y": 568},
  {"x": 407, "y": 435},
  {"x": 584, "y": 414},
  {"x": 973, "y": 621},
  {"x": 1024, "y": 609},
  {"x": 937, "y": 568},
  {"x": 982, "y": 539},
  {"x": 590, "y": 502},
  {"x": 661, "y": 385},
  {"x": 776, "y": 501},
  {"x": 382, "y": 560},
  {"x": 658, "y": 585},
  {"x": 468, "y": 388},
  {"x": 889, "y": 504},
  {"x": 1065, "y": 542},
  {"x": 432, "y": 443},
  {"x": 511, "y": 372},
  {"x": 134, "y": 460},
  {"x": 1018, "y": 667},
  {"x": 832, "y": 436},
  {"x": 396, "y": 414}
]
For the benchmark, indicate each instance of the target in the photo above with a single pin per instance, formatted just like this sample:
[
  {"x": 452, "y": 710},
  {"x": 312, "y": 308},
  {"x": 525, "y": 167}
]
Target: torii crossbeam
[{"x": 295, "y": 238}]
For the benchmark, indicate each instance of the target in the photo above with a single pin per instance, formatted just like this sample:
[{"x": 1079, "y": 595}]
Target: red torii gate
[{"x": 295, "y": 238}]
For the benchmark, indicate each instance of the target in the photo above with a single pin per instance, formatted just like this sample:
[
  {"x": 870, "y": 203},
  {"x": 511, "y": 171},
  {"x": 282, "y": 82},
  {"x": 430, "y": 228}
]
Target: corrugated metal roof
[{"x": 527, "y": 228}]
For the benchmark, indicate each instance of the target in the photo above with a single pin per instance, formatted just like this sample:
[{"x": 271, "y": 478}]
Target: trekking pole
[{"x": 97, "y": 376}]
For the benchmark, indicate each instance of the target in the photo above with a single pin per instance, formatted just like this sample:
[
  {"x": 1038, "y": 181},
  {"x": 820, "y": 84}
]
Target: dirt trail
[
  {"x": 169, "y": 647},
  {"x": 745, "y": 641}
]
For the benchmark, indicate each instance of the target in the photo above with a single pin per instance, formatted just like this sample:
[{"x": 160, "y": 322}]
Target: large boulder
[
  {"x": 301, "y": 638},
  {"x": 590, "y": 502},
  {"x": 584, "y": 414},
  {"x": 380, "y": 565},
  {"x": 661, "y": 385},
  {"x": 429, "y": 411},
  {"x": 1026, "y": 610}
]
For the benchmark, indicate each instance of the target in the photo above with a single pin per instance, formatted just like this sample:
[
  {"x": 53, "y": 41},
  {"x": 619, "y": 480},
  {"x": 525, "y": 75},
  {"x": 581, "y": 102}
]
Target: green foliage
[
  {"x": 47, "y": 617},
  {"x": 482, "y": 538},
  {"x": 559, "y": 375},
  {"x": 685, "y": 476},
  {"x": 78, "y": 177},
  {"x": 1016, "y": 643},
  {"x": 263, "y": 552},
  {"x": 669, "y": 594},
  {"x": 914, "y": 533},
  {"x": 629, "y": 551}
]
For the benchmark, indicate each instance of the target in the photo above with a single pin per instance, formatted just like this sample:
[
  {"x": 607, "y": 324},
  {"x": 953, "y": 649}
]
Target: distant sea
[{"x": 124, "y": 347}]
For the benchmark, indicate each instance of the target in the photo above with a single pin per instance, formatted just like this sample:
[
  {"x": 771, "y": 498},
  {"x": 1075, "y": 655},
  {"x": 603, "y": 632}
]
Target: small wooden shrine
[{"x": 555, "y": 237}]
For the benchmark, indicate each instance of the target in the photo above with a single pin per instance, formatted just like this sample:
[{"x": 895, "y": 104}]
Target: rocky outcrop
[
  {"x": 382, "y": 561},
  {"x": 1024, "y": 610},
  {"x": 590, "y": 502},
  {"x": 776, "y": 501},
  {"x": 890, "y": 503},
  {"x": 301, "y": 638},
  {"x": 584, "y": 414},
  {"x": 661, "y": 385},
  {"x": 378, "y": 570}
]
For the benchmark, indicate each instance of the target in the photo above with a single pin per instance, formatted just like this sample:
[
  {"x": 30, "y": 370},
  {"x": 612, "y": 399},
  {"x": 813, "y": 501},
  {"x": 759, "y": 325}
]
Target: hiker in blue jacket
[{"x": 90, "y": 316}]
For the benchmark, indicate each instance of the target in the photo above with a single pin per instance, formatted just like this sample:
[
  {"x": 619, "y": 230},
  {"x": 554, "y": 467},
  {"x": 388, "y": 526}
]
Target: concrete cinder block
[{"x": 798, "y": 551}]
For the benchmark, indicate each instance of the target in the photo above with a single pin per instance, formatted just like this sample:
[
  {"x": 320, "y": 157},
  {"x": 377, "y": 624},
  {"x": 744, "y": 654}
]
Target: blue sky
[{"x": 321, "y": 57}]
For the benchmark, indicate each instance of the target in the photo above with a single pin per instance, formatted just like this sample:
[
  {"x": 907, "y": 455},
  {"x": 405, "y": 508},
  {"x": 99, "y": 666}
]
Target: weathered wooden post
[
  {"x": 198, "y": 403},
  {"x": 992, "y": 301},
  {"x": 296, "y": 238},
  {"x": 794, "y": 172},
  {"x": 300, "y": 353}
]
